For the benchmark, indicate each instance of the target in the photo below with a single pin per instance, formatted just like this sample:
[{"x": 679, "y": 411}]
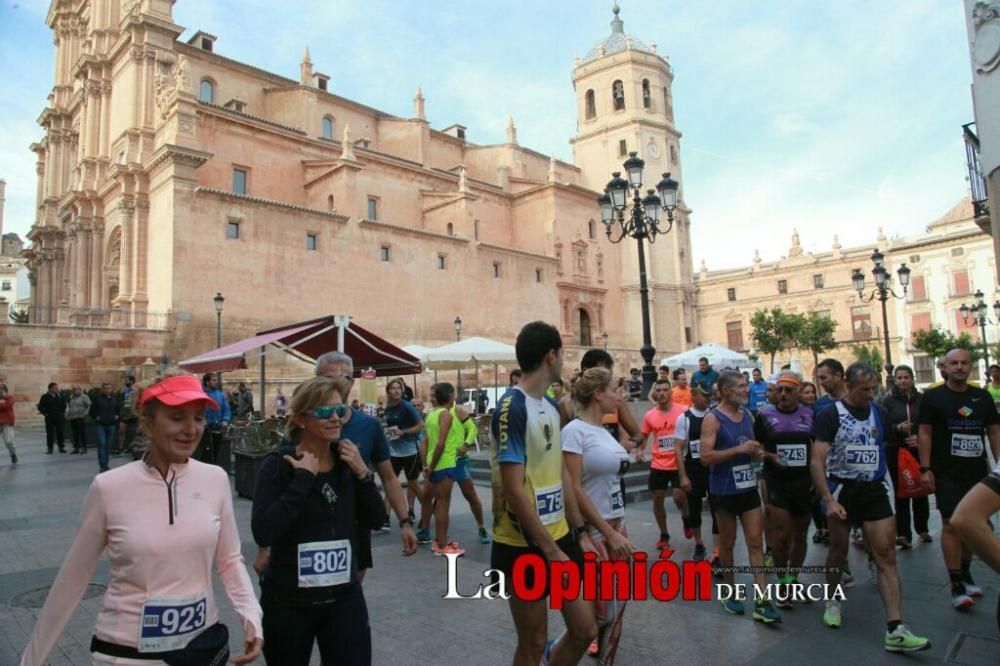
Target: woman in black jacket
[
  {"x": 312, "y": 493},
  {"x": 903, "y": 404}
]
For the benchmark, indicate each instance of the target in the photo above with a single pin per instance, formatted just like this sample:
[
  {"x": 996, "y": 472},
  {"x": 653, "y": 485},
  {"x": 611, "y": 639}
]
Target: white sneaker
[
  {"x": 961, "y": 601},
  {"x": 973, "y": 590}
]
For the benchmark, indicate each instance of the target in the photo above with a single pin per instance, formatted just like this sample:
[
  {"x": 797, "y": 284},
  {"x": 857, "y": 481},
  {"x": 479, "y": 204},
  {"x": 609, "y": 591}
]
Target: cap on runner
[{"x": 176, "y": 391}]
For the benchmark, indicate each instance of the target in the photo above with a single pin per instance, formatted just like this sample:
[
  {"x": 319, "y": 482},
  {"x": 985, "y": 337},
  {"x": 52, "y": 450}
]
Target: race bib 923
[{"x": 169, "y": 623}]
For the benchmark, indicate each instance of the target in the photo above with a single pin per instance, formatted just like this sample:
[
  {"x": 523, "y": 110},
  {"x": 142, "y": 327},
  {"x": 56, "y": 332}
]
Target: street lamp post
[
  {"x": 458, "y": 338},
  {"x": 219, "y": 300},
  {"x": 979, "y": 316},
  {"x": 643, "y": 224},
  {"x": 882, "y": 291}
]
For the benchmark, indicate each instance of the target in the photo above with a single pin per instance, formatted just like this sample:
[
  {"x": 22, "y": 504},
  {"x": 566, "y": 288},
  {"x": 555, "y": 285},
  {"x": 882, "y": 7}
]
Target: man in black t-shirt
[{"x": 955, "y": 420}]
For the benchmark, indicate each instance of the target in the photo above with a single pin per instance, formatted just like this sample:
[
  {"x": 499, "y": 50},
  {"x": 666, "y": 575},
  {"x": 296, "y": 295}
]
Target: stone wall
[{"x": 31, "y": 356}]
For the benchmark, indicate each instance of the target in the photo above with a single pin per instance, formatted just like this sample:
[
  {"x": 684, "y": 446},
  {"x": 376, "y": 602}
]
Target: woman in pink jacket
[{"x": 163, "y": 522}]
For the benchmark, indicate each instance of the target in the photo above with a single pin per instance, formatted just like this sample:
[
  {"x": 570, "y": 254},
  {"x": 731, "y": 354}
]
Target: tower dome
[{"x": 618, "y": 41}]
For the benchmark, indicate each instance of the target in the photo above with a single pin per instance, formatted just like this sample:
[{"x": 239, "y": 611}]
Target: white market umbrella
[
  {"x": 470, "y": 353},
  {"x": 718, "y": 357}
]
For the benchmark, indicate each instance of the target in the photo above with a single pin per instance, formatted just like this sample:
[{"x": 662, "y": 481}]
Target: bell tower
[{"x": 624, "y": 105}]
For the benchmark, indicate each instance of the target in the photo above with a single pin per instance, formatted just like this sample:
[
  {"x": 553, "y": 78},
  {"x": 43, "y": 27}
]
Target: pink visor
[{"x": 177, "y": 391}]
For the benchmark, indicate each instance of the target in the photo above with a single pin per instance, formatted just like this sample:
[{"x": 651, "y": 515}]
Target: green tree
[
  {"x": 816, "y": 335},
  {"x": 18, "y": 316},
  {"x": 869, "y": 355},
  {"x": 937, "y": 342},
  {"x": 774, "y": 330}
]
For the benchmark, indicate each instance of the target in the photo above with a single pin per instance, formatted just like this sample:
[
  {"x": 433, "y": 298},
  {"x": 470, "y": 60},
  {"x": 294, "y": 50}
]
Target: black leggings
[
  {"x": 340, "y": 628},
  {"x": 699, "y": 489}
]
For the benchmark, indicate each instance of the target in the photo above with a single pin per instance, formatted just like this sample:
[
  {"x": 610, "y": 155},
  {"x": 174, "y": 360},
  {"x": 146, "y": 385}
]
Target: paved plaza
[{"x": 411, "y": 624}]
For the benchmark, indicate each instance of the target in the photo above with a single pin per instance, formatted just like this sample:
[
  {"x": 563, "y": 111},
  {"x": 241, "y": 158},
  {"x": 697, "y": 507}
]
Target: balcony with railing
[{"x": 977, "y": 182}]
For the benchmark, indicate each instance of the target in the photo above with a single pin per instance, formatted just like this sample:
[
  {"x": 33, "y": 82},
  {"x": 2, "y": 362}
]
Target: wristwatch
[{"x": 405, "y": 521}]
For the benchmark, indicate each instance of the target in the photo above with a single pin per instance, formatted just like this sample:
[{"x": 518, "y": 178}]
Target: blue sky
[{"x": 833, "y": 117}]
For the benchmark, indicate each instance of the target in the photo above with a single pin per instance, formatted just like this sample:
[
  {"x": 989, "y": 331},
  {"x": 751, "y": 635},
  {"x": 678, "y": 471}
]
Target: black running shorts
[
  {"x": 737, "y": 505},
  {"x": 864, "y": 501},
  {"x": 793, "y": 495},
  {"x": 503, "y": 556},
  {"x": 409, "y": 464},
  {"x": 664, "y": 479},
  {"x": 949, "y": 489}
]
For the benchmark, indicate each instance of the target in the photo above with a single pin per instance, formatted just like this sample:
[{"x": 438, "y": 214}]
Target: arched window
[
  {"x": 206, "y": 91},
  {"x": 451, "y": 229},
  {"x": 591, "y": 230},
  {"x": 584, "y": 328},
  {"x": 647, "y": 101},
  {"x": 673, "y": 154},
  {"x": 618, "y": 95},
  {"x": 328, "y": 127},
  {"x": 591, "y": 110},
  {"x": 329, "y": 202}
]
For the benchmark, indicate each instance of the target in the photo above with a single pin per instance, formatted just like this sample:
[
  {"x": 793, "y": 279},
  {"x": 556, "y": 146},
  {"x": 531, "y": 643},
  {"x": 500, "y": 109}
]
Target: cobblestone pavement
[{"x": 411, "y": 624}]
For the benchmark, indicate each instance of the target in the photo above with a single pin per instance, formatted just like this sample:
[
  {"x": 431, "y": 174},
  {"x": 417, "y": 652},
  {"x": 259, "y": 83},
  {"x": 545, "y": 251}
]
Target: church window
[
  {"x": 673, "y": 154},
  {"x": 734, "y": 335},
  {"x": 441, "y": 262},
  {"x": 647, "y": 100},
  {"x": 496, "y": 269},
  {"x": 817, "y": 281},
  {"x": 451, "y": 229},
  {"x": 687, "y": 334},
  {"x": 538, "y": 275},
  {"x": 584, "y": 328},
  {"x": 206, "y": 91},
  {"x": 383, "y": 253},
  {"x": 329, "y": 202},
  {"x": 240, "y": 181},
  {"x": 618, "y": 95},
  {"x": 311, "y": 242},
  {"x": 622, "y": 148},
  {"x": 372, "y": 208},
  {"x": 731, "y": 294},
  {"x": 6, "y": 286},
  {"x": 328, "y": 128},
  {"x": 591, "y": 109},
  {"x": 782, "y": 286},
  {"x": 233, "y": 230},
  {"x": 591, "y": 230}
]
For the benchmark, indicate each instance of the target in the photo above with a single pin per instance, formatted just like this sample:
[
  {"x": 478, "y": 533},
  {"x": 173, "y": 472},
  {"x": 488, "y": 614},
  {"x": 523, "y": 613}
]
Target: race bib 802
[{"x": 324, "y": 563}]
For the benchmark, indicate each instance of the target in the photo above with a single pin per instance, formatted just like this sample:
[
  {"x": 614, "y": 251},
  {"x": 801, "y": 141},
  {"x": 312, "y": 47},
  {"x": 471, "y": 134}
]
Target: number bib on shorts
[
  {"x": 793, "y": 455},
  {"x": 549, "y": 504},
  {"x": 966, "y": 446},
  {"x": 665, "y": 444},
  {"x": 862, "y": 459},
  {"x": 617, "y": 502},
  {"x": 324, "y": 563},
  {"x": 744, "y": 477},
  {"x": 695, "y": 447},
  {"x": 169, "y": 623}
]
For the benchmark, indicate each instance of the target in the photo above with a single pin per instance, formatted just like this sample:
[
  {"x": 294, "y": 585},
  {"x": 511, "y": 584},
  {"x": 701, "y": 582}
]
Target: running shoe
[
  {"x": 903, "y": 640},
  {"x": 13, "y": 460},
  {"x": 971, "y": 588},
  {"x": 960, "y": 600},
  {"x": 423, "y": 535},
  {"x": 903, "y": 543},
  {"x": 386, "y": 526},
  {"x": 818, "y": 537},
  {"x": 925, "y": 537},
  {"x": 769, "y": 559},
  {"x": 484, "y": 536},
  {"x": 831, "y": 616},
  {"x": 409, "y": 514},
  {"x": 451, "y": 548},
  {"x": 664, "y": 542},
  {"x": 688, "y": 533},
  {"x": 547, "y": 653},
  {"x": 732, "y": 606},
  {"x": 764, "y": 611},
  {"x": 847, "y": 578},
  {"x": 699, "y": 552}
]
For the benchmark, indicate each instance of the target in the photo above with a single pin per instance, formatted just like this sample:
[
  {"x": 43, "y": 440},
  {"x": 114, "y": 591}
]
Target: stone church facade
[{"x": 169, "y": 172}]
